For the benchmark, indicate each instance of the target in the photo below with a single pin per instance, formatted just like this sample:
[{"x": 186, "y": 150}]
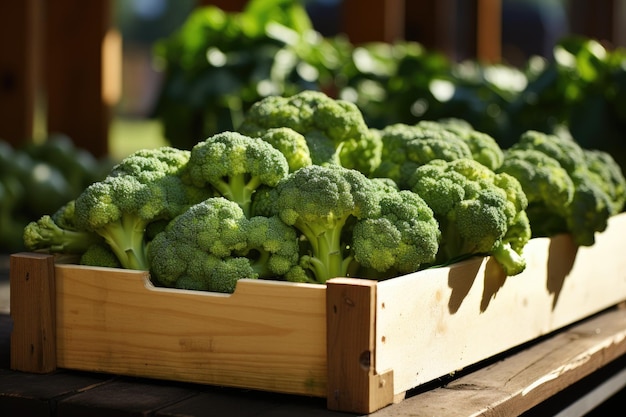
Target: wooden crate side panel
[
  {"x": 434, "y": 322},
  {"x": 267, "y": 335},
  {"x": 353, "y": 384},
  {"x": 32, "y": 298}
]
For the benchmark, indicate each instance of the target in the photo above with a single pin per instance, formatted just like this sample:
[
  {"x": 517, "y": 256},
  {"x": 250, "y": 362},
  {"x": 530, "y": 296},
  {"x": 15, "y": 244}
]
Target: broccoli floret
[
  {"x": 144, "y": 187},
  {"x": 319, "y": 201},
  {"x": 99, "y": 254},
  {"x": 57, "y": 233},
  {"x": 213, "y": 244},
  {"x": 292, "y": 144},
  {"x": 475, "y": 208},
  {"x": 236, "y": 166},
  {"x": 403, "y": 239},
  {"x": 608, "y": 174},
  {"x": 484, "y": 148},
  {"x": 335, "y": 130},
  {"x": 591, "y": 205},
  {"x": 547, "y": 185},
  {"x": 406, "y": 147}
]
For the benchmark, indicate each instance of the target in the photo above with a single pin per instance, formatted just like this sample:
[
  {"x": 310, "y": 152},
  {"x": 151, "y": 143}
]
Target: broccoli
[
  {"x": 292, "y": 144},
  {"x": 479, "y": 211},
  {"x": 58, "y": 233},
  {"x": 335, "y": 130},
  {"x": 213, "y": 244},
  {"x": 608, "y": 174},
  {"x": 547, "y": 185},
  {"x": 591, "y": 204},
  {"x": 406, "y": 147},
  {"x": 484, "y": 148},
  {"x": 144, "y": 187},
  {"x": 99, "y": 254},
  {"x": 235, "y": 165},
  {"x": 318, "y": 201},
  {"x": 403, "y": 239}
]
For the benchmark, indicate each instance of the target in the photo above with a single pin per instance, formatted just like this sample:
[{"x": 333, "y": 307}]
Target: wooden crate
[{"x": 360, "y": 344}]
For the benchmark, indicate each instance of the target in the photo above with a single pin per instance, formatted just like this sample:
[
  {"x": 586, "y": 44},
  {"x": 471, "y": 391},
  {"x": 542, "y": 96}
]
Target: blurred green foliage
[{"x": 219, "y": 63}]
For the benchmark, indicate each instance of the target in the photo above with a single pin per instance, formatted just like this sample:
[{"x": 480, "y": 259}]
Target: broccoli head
[
  {"x": 476, "y": 210},
  {"x": 591, "y": 204},
  {"x": 235, "y": 165},
  {"x": 144, "y": 187},
  {"x": 335, "y": 130},
  {"x": 484, "y": 148},
  {"x": 319, "y": 201},
  {"x": 607, "y": 173},
  {"x": 403, "y": 238},
  {"x": 547, "y": 185},
  {"x": 213, "y": 244},
  {"x": 291, "y": 143},
  {"x": 406, "y": 147}
]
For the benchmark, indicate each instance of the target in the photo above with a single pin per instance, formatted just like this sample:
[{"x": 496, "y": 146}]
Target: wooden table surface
[{"x": 580, "y": 370}]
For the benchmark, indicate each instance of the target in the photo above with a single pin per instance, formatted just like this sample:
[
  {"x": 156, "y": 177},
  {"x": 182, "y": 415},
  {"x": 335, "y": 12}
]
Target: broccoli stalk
[
  {"x": 45, "y": 234},
  {"x": 58, "y": 233}
]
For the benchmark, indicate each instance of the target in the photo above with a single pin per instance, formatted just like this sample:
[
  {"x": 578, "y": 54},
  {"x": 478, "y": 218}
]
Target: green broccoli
[
  {"x": 213, "y": 244},
  {"x": 319, "y": 201},
  {"x": 236, "y": 166},
  {"x": 608, "y": 174},
  {"x": 291, "y": 144},
  {"x": 547, "y": 185},
  {"x": 58, "y": 233},
  {"x": 484, "y": 148},
  {"x": 335, "y": 130},
  {"x": 478, "y": 211},
  {"x": 99, "y": 254},
  {"x": 591, "y": 205},
  {"x": 144, "y": 187},
  {"x": 406, "y": 147},
  {"x": 403, "y": 239}
]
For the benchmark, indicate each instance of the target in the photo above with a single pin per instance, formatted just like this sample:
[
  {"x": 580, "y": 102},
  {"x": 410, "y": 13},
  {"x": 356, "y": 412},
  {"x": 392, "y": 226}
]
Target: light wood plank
[
  {"x": 439, "y": 321},
  {"x": 268, "y": 335},
  {"x": 523, "y": 380}
]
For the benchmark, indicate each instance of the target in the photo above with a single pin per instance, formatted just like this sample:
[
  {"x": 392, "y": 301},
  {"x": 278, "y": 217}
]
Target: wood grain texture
[
  {"x": 267, "y": 335},
  {"x": 439, "y": 321},
  {"x": 518, "y": 382},
  {"x": 33, "y": 341},
  {"x": 353, "y": 384}
]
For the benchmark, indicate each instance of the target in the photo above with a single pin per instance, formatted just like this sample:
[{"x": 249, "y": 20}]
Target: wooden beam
[
  {"x": 80, "y": 49},
  {"x": 489, "y": 30},
  {"x": 373, "y": 20},
  {"x": 18, "y": 64}
]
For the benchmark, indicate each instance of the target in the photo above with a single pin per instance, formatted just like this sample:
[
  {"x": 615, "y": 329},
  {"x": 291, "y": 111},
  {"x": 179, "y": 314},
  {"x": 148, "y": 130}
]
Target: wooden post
[
  {"x": 80, "y": 50},
  {"x": 18, "y": 75},
  {"x": 33, "y": 310},
  {"x": 489, "y": 30},
  {"x": 373, "y": 20},
  {"x": 353, "y": 384}
]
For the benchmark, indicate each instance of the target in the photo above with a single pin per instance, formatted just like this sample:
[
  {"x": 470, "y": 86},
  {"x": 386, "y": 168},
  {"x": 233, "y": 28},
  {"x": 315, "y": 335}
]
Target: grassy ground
[{"x": 129, "y": 135}]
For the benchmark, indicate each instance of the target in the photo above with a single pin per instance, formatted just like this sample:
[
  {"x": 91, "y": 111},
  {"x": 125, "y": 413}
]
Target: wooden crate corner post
[
  {"x": 353, "y": 384},
  {"x": 33, "y": 310}
]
